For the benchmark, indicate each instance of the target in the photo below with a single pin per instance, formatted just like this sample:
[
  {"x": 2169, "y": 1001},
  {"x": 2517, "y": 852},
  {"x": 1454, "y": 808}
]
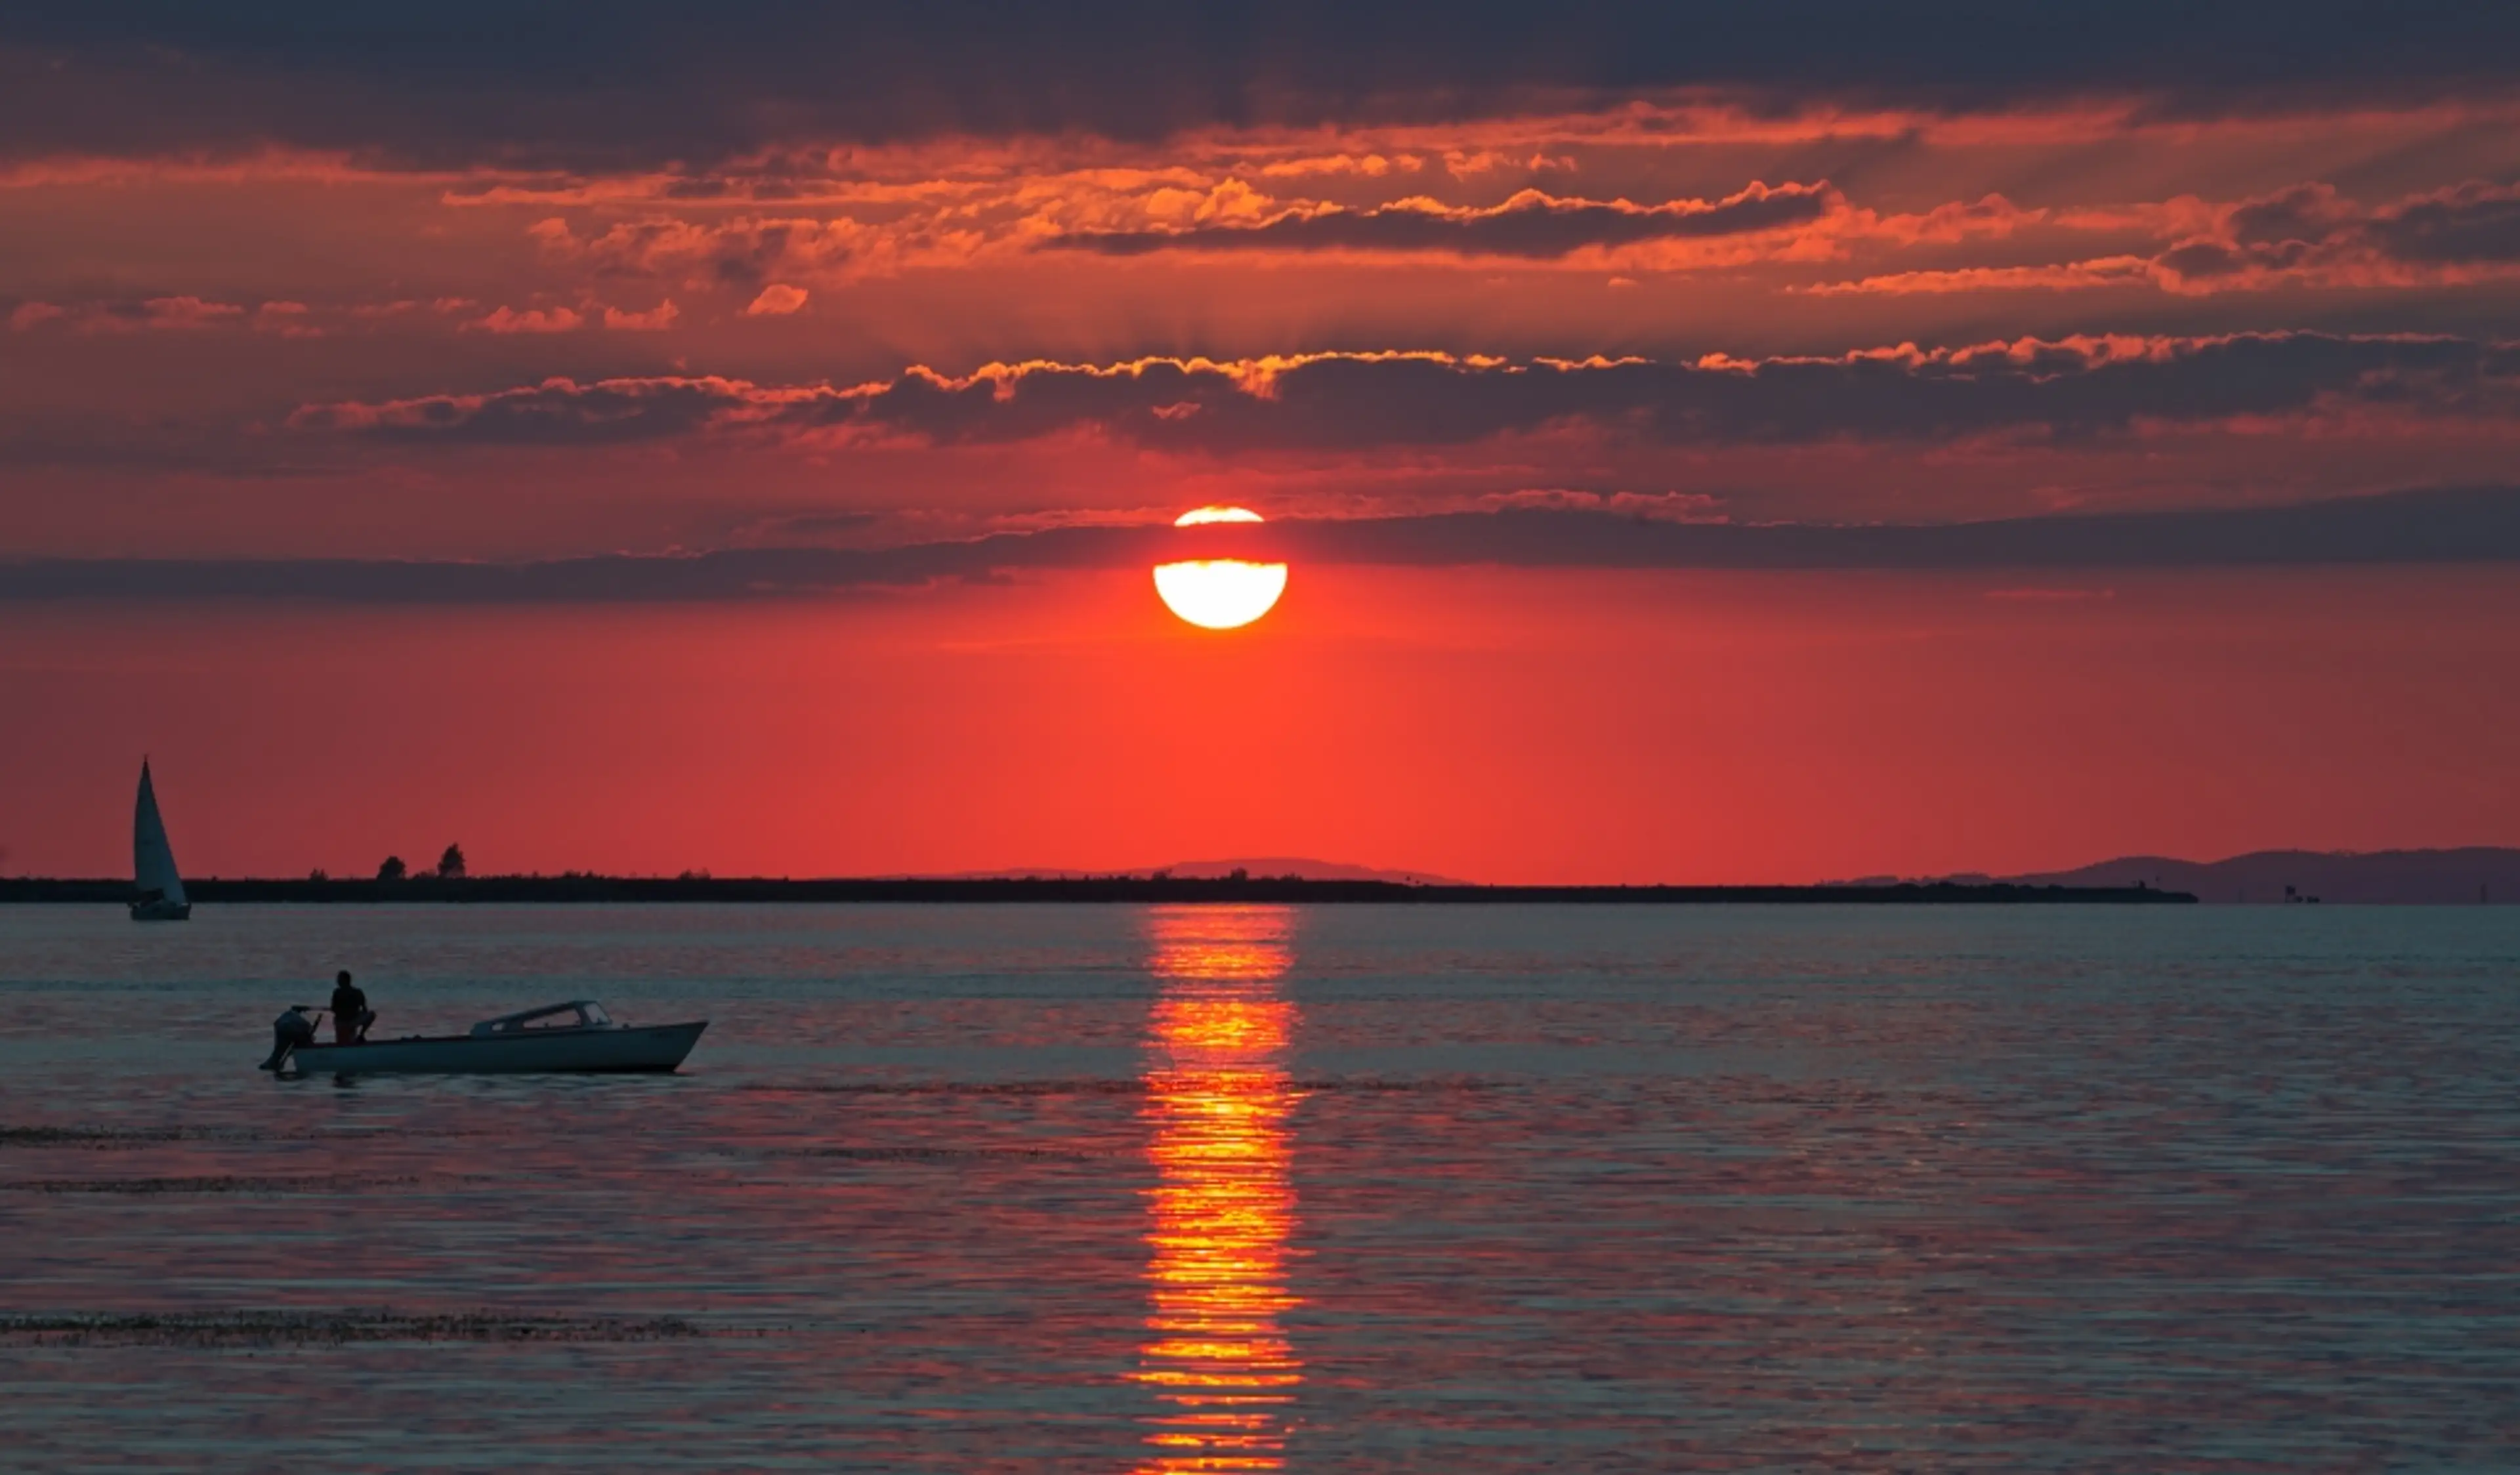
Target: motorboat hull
[{"x": 653, "y": 1047}]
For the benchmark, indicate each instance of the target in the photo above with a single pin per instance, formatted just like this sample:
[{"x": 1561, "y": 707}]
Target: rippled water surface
[{"x": 1254, "y": 1189}]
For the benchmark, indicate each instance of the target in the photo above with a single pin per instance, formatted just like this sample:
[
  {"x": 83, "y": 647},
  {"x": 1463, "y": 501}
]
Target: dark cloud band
[
  {"x": 1532, "y": 225},
  {"x": 639, "y": 83},
  {"x": 2471, "y": 526},
  {"x": 2062, "y": 389},
  {"x": 2311, "y": 228}
]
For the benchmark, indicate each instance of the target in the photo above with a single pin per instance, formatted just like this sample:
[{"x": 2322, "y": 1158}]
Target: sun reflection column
[{"x": 1223, "y": 1205}]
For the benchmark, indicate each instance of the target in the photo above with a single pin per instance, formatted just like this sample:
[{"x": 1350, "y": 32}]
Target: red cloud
[
  {"x": 532, "y": 320},
  {"x": 777, "y": 301},
  {"x": 655, "y": 319},
  {"x": 289, "y": 320}
]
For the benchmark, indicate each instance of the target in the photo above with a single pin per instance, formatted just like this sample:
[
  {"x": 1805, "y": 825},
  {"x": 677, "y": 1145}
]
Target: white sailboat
[{"x": 159, "y": 890}]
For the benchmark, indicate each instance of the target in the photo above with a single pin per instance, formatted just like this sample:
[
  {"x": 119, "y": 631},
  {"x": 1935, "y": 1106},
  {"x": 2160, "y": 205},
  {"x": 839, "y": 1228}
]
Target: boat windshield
[{"x": 580, "y": 1013}]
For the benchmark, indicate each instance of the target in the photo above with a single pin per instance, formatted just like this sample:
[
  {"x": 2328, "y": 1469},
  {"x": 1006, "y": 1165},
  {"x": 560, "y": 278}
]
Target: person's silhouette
[{"x": 352, "y": 1015}]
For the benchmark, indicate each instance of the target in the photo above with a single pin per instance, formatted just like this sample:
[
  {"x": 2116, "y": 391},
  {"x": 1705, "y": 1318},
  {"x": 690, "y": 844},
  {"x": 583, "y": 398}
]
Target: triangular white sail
[{"x": 153, "y": 860}]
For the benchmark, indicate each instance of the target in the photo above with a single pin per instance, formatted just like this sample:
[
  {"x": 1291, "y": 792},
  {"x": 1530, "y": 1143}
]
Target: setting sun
[{"x": 1219, "y": 594}]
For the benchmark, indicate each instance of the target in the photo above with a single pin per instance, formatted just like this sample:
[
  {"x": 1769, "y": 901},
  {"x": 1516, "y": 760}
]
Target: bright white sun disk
[{"x": 1219, "y": 594}]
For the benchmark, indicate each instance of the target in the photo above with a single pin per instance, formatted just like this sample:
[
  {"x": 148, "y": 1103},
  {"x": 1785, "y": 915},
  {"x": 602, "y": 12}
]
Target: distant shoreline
[{"x": 430, "y": 890}]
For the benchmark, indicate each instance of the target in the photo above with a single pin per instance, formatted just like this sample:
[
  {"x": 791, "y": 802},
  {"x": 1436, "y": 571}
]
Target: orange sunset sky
[{"x": 1707, "y": 448}]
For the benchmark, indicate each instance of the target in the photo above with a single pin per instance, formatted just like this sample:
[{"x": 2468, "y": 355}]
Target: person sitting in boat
[{"x": 352, "y": 1015}]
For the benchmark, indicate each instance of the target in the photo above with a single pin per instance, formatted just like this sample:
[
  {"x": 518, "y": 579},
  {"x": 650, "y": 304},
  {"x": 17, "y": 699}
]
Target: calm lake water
[{"x": 1251, "y": 1188}]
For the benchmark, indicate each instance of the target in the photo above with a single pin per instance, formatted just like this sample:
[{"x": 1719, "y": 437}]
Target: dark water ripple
[
  {"x": 1350, "y": 1190},
  {"x": 271, "y": 1329}
]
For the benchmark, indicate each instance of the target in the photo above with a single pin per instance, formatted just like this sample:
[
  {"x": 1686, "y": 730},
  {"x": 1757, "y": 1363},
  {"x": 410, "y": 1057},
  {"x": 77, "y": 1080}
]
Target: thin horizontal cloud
[
  {"x": 135, "y": 314},
  {"x": 1126, "y": 212},
  {"x": 563, "y": 412},
  {"x": 289, "y": 318},
  {"x": 1531, "y": 224},
  {"x": 2061, "y": 388},
  {"x": 2071, "y": 275},
  {"x": 2471, "y": 526},
  {"x": 2433, "y": 525}
]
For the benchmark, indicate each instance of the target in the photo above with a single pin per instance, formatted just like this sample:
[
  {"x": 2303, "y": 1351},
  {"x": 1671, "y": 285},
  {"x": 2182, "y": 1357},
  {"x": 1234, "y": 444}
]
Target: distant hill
[
  {"x": 1271, "y": 866},
  {"x": 2402, "y": 877},
  {"x": 1310, "y": 870}
]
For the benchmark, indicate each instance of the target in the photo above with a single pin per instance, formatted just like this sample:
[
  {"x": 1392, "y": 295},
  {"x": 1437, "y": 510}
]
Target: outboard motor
[{"x": 288, "y": 1032}]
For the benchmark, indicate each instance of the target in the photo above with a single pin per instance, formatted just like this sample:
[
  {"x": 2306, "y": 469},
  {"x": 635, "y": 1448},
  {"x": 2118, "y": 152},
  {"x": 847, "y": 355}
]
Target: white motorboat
[
  {"x": 157, "y": 892},
  {"x": 576, "y": 1036}
]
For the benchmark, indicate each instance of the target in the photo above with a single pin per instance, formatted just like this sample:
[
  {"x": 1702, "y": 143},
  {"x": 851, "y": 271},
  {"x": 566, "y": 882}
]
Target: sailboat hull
[{"x": 159, "y": 908}]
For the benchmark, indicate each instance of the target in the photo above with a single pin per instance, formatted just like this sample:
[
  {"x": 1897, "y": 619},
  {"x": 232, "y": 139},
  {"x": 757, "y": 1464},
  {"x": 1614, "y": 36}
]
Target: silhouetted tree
[
  {"x": 394, "y": 870},
  {"x": 317, "y": 874},
  {"x": 450, "y": 866}
]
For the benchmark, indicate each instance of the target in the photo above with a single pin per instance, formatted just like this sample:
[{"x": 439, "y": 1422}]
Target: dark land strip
[{"x": 1127, "y": 889}]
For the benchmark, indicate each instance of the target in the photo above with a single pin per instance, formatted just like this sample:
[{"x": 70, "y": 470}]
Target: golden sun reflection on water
[{"x": 1223, "y": 1205}]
